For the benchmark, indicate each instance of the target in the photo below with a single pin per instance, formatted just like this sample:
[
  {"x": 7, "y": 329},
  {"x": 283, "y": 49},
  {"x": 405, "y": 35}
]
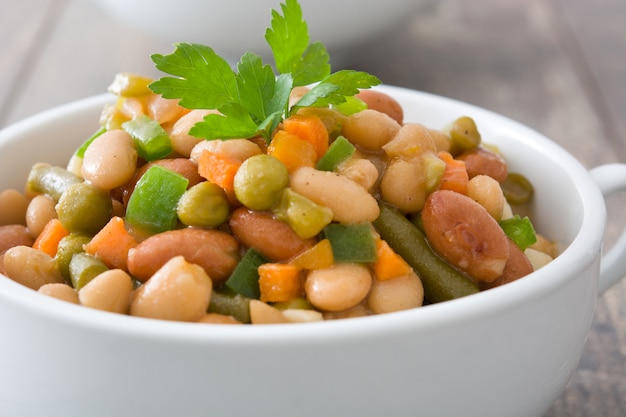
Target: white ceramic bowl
[
  {"x": 236, "y": 26},
  {"x": 506, "y": 352}
]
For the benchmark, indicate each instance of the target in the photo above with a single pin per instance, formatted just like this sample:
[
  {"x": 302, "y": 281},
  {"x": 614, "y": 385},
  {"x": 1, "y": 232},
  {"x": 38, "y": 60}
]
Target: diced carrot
[
  {"x": 388, "y": 263},
  {"x": 279, "y": 282},
  {"x": 292, "y": 151},
  {"x": 220, "y": 170},
  {"x": 309, "y": 128},
  {"x": 112, "y": 244},
  {"x": 317, "y": 257},
  {"x": 49, "y": 238},
  {"x": 455, "y": 177}
]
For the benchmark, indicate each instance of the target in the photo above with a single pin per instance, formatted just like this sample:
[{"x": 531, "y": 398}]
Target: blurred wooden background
[{"x": 558, "y": 66}]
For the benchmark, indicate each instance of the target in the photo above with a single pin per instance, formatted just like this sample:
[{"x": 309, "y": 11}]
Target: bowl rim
[{"x": 577, "y": 256}]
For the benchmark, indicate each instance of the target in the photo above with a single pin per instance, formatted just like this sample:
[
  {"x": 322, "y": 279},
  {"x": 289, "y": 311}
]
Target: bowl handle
[{"x": 611, "y": 179}]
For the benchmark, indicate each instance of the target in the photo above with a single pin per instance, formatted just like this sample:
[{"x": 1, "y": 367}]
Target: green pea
[
  {"x": 203, "y": 205},
  {"x": 259, "y": 181},
  {"x": 83, "y": 208},
  {"x": 464, "y": 134},
  {"x": 517, "y": 189}
]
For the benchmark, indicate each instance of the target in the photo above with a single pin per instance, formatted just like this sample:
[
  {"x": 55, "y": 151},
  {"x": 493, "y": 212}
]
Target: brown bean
[
  {"x": 517, "y": 266},
  {"x": 465, "y": 234},
  {"x": 482, "y": 161},
  {"x": 13, "y": 206},
  {"x": 273, "y": 238},
  {"x": 382, "y": 102},
  {"x": 14, "y": 235},
  {"x": 179, "y": 291},
  {"x": 215, "y": 251}
]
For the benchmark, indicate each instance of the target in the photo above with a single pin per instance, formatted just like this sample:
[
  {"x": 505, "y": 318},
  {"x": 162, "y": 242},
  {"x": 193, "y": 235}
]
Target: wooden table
[{"x": 555, "y": 65}]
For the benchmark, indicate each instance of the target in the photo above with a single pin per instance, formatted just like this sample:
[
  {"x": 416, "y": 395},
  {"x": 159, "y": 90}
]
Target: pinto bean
[
  {"x": 465, "y": 234},
  {"x": 13, "y": 206},
  {"x": 272, "y": 237},
  {"x": 14, "y": 235},
  {"x": 482, "y": 161},
  {"x": 517, "y": 266},
  {"x": 377, "y": 100},
  {"x": 349, "y": 201},
  {"x": 179, "y": 291},
  {"x": 215, "y": 251}
]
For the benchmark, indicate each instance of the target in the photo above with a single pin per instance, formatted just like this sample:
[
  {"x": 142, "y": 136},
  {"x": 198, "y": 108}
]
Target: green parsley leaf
[
  {"x": 205, "y": 80},
  {"x": 233, "y": 122},
  {"x": 257, "y": 83},
  {"x": 334, "y": 88},
  {"x": 288, "y": 38},
  {"x": 519, "y": 230}
]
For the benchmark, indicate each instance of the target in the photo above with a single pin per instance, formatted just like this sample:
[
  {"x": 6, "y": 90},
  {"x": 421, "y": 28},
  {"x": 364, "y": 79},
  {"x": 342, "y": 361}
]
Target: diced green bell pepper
[
  {"x": 152, "y": 205},
  {"x": 245, "y": 278},
  {"x": 520, "y": 230},
  {"x": 340, "y": 150},
  {"x": 305, "y": 217},
  {"x": 351, "y": 242},
  {"x": 151, "y": 140}
]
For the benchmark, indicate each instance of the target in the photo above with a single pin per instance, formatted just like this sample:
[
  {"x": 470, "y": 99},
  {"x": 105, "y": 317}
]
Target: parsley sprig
[{"x": 252, "y": 100}]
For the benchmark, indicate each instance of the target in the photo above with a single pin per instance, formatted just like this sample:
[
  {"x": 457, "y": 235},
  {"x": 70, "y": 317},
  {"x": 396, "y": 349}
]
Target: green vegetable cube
[
  {"x": 351, "y": 242},
  {"x": 339, "y": 151},
  {"x": 152, "y": 205},
  {"x": 305, "y": 217},
  {"x": 151, "y": 140},
  {"x": 245, "y": 278}
]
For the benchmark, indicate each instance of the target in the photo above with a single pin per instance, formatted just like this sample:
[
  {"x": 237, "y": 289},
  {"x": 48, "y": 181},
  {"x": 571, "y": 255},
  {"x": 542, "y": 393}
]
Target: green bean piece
[
  {"x": 295, "y": 303},
  {"x": 260, "y": 181},
  {"x": 517, "y": 189},
  {"x": 464, "y": 135},
  {"x": 51, "y": 180},
  {"x": 442, "y": 282},
  {"x": 83, "y": 208},
  {"x": 83, "y": 268},
  {"x": 230, "y": 303},
  {"x": 67, "y": 248},
  {"x": 203, "y": 205}
]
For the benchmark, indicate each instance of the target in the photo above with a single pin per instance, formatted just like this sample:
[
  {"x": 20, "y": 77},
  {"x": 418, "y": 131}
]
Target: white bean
[
  {"x": 179, "y": 290},
  {"x": 31, "y": 267},
  {"x": 60, "y": 291},
  {"x": 108, "y": 291},
  {"x": 13, "y": 206},
  {"x": 339, "y": 287},
  {"x": 182, "y": 141},
  {"x": 39, "y": 212},
  {"x": 487, "y": 192},
  {"x": 403, "y": 185},
  {"x": 396, "y": 294},
  {"x": 110, "y": 160},
  {"x": 370, "y": 129},
  {"x": 349, "y": 202}
]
